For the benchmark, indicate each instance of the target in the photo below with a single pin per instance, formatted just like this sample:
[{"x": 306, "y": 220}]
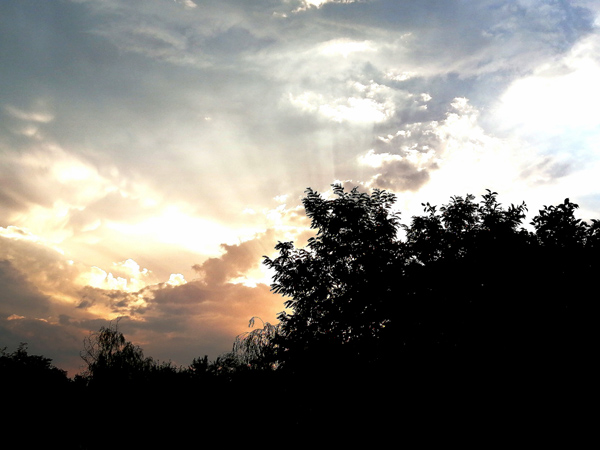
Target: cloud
[
  {"x": 462, "y": 37},
  {"x": 18, "y": 296},
  {"x": 71, "y": 298},
  {"x": 236, "y": 260},
  {"x": 557, "y": 96},
  {"x": 28, "y": 116},
  {"x": 345, "y": 47},
  {"x": 59, "y": 342},
  {"x": 229, "y": 291},
  {"x": 252, "y": 74},
  {"x": 404, "y": 160},
  {"x": 370, "y": 103},
  {"x": 39, "y": 261},
  {"x": 397, "y": 173},
  {"x": 431, "y": 160},
  {"x": 48, "y": 183},
  {"x": 306, "y": 4}
]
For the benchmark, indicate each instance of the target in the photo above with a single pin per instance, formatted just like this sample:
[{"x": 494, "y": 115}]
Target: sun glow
[{"x": 178, "y": 228}]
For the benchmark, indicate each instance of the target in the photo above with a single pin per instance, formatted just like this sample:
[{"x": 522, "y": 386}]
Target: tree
[
  {"x": 257, "y": 349},
  {"x": 462, "y": 277},
  {"x": 111, "y": 360},
  {"x": 557, "y": 226},
  {"x": 468, "y": 282},
  {"x": 566, "y": 264},
  {"x": 338, "y": 288},
  {"x": 34, "y": 391},
  {"x": 23, "y": 371},
  {"x": 470, "y": 307}
]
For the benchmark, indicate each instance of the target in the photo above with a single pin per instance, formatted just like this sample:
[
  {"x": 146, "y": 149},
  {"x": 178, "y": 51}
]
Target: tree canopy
[
  {"x": 338, "y": 288},
  {"x": 22, "y": 370},
  {"x": 466, "y": 282},
  {"x": 110, "y": 357}
]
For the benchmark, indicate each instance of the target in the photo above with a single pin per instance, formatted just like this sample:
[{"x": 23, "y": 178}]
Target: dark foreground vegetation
[{"x": 464, "y": 321}]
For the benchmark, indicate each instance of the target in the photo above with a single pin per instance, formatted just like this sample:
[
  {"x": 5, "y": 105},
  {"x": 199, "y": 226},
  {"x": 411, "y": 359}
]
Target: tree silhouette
[
  {"x": 256, "y": 349},
  {"x": 468, "y": 301},
  {"x": 112, "y": 359},
  {"x": 33, "y": 391},
  {"x": 384, "y": 323},
  {"x": 21, "y": 370},
  {"x": 338, "y": 287},
  {"x": 462, "y": 264}
]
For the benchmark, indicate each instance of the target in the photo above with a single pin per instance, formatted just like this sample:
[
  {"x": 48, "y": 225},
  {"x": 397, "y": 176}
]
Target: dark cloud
[
  {"x": 61, "y": 343},
  {"x": 205, "y": 314},
  {"x": 189, "y": 298},
  {"x": 236, "y": 260},
  {"x": 547, "y": 170},
  {"x": 40, "y": 263},
  {"x": 17, "y": 295},
  {"x": 228, "y": 302},
  {"x": 400, "y": 176},
  {"x": 115, "y": 301}
]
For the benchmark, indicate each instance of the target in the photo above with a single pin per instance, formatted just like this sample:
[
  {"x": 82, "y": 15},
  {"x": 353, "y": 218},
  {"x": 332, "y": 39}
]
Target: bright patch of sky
[{"x": 557, "y": 96}]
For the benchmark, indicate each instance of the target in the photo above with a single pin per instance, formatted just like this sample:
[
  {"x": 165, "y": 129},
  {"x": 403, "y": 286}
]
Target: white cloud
[
  {"x": 454, "y": 155},
  {"x": 17, "y": 233},
  {"x": 176, "y": 279},
  {"x": 367, "y": 103},
  {"x": 559, "y": 96},
  {"x": 189, "y": 4},
  {"x": 31, "y": 116},
  {"x": 400, "y": 75},
  {"x": 345, "y": 47},
  {"x": 306, "y": 4}
]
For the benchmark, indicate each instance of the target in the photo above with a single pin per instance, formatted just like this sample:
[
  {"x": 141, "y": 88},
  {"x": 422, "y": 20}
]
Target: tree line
[{"x": 381, "y": 320}]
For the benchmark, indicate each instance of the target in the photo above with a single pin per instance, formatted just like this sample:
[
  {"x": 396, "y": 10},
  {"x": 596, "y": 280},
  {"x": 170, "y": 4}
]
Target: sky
[{"x": 151, "y": 152}]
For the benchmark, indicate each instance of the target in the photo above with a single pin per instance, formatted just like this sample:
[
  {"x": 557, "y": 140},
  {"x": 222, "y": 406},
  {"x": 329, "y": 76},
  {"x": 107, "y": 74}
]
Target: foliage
[
  {"x": 458, "y": 226},
  {"x": 257, "y": 349},
  {"x": 199, "y": 367},
  {"x": 338, "y": 288},
  {"x": 460, "y": 284},
  {"x": 19, "y": 368},
  {"x": 556, "y": 226},
  {"x": 469, "y": 282},
  {"x": 110, "y": 358}
]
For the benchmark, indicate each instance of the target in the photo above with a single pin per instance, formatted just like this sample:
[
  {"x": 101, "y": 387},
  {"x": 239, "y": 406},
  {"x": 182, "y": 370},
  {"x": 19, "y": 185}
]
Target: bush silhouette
[{"x": 31, "y": 373}]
